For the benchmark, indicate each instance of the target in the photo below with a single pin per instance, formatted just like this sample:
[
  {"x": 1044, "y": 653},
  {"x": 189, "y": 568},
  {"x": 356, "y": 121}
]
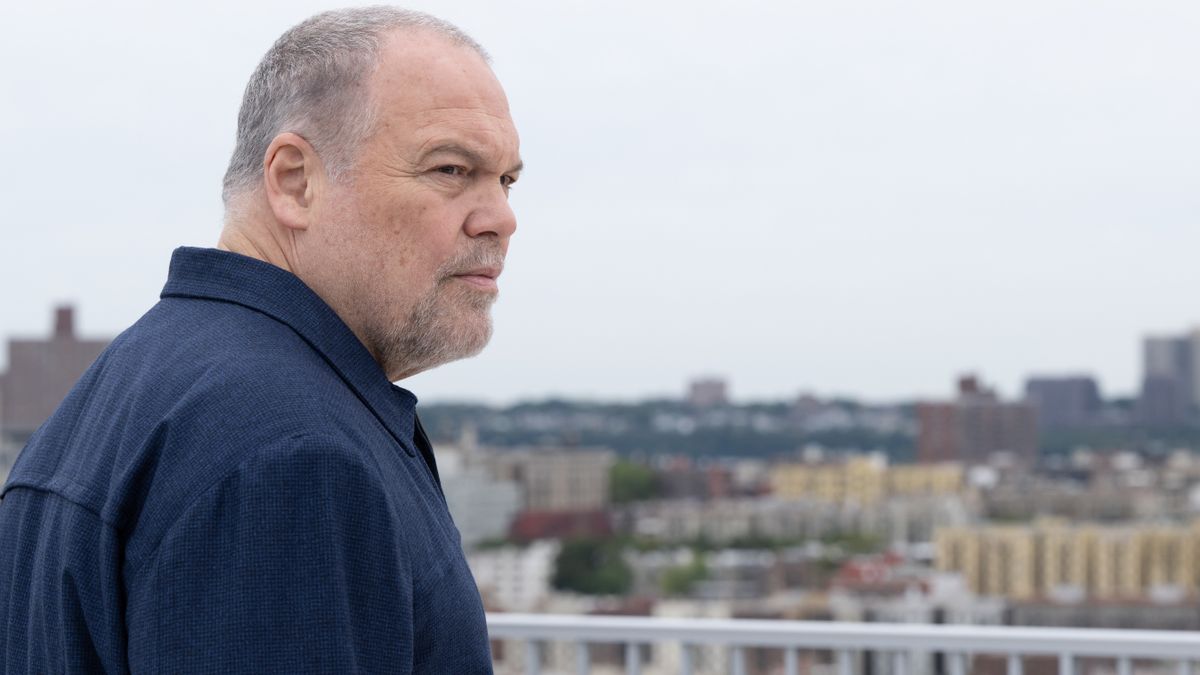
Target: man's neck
[{"x": 237, "y": 239}]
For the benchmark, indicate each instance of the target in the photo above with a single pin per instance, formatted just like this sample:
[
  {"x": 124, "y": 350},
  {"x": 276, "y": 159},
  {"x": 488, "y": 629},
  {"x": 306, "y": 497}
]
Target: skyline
[
  {"x": 686, "y": 390},
  {"x": 861, "y": 201}
]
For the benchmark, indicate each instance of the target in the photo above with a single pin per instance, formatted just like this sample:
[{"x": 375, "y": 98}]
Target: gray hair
[{"x": 314, "y": 82}]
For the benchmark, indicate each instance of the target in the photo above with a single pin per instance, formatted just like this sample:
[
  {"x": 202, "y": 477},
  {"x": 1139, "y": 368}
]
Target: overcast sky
[{"x": 859, "y": 198}]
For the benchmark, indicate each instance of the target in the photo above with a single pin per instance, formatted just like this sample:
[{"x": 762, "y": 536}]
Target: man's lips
[{"x": 484, "y": 277}]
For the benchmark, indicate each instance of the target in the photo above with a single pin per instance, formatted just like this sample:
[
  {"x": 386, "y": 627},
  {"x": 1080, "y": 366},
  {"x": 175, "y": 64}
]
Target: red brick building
[
  {"x": 40, "y": 374},
  {"x": 974, "y": 426}
]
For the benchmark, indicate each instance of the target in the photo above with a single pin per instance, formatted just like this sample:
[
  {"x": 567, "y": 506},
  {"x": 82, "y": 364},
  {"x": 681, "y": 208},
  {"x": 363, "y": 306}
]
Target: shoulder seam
[{"x": 38, "y": 487}]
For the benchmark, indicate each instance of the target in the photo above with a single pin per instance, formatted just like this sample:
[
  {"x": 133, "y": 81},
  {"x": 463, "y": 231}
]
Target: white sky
[{"x": 859, "y": 198}]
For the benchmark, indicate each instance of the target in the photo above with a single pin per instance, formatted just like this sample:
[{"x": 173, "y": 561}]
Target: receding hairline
[
  {"x": 458, "y": 39},
  {"x": 396, "y": 39},
  {"x": 335, "y": 116},
  {"x": 399, "y": 38}
]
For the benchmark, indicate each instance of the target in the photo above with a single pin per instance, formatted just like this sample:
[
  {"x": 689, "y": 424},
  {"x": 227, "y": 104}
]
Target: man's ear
[{"x": 292, "y": 175}]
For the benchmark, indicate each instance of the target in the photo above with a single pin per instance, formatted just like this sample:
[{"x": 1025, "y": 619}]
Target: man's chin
[
  {"x": 477, "y": 338},
  {"x": 407, "y": 365},
  {"x": 451, "y": 325}
]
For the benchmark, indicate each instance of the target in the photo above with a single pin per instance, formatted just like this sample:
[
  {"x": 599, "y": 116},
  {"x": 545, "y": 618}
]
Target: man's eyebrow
[{"x": 468, "y": 154}]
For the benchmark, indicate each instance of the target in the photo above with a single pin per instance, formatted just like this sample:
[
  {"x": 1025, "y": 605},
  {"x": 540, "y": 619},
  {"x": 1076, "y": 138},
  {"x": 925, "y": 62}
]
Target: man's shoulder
[
  {"x": 244, "y": 387},
  {"x": 192, "y": 337},
  {"x": 307, "y": 460},
  {"x": 302, "y": 474},
  {"x": 191, "y": 390},
  {"x": 190, "y": 358}
]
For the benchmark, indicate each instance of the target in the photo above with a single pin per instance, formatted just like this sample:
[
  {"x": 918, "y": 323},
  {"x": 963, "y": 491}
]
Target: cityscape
[
  {"x": 833, "y": 339},
  {"x": 1057, "y": 507}
]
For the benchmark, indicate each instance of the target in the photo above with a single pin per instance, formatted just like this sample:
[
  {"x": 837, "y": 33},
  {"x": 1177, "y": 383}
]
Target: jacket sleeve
[{"x": 293, "y": 563}]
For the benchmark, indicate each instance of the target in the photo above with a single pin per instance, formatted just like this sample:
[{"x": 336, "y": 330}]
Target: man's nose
[{"x": 493, "y": 215}]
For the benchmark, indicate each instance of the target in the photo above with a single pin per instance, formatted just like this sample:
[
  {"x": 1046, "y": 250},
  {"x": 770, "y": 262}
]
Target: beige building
[
  {"x": 558, "y": 480},
  {"x": 925, "y": 479},
  {"x": 1050, "y": 558},
  {"x": 864, "y": 480}
]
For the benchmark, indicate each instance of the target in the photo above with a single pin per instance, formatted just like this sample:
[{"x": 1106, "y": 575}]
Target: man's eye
[
  {"x": 452, "y": 170},
  {"x": 507, "y": 181}
]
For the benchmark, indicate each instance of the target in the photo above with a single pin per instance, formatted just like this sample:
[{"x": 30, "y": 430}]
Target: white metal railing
[{"x": 848, "y": 642}]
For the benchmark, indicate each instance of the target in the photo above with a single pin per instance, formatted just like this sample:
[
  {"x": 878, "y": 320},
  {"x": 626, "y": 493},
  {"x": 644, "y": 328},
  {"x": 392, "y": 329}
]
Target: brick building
[
  {"x": 974, "y": 426},
  {"x": 40, "y": 374}
]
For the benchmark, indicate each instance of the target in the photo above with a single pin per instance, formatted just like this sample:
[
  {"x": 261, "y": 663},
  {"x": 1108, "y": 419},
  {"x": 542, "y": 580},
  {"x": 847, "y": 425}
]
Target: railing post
[
  {"x": 791, "y": 665},
  {"x": 1185, "y": 667},
  {"x": 1066, "y": 664},
  {"x": 633, "y": 659},
  {"x": 686, "y": 657},
  {"x": 739, "y": 660},
  {"x": 900, "y": 663},
  {"x": 1015, "y": 665},
  {"x": 1124, "y": 666},
  {"x": 844, "y": 665},
  {"x": 957, "y": 663},
  {"x": 583, "y": 660},
  {"x": 533, "y": 658}
]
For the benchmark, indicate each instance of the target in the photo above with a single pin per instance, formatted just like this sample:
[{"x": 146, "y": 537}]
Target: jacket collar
[{"x": 213, "y": 274}]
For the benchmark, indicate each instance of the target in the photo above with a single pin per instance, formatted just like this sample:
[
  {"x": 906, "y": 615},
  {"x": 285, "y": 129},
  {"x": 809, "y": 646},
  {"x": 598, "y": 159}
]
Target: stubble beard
[{"x": 451, "y": 321}]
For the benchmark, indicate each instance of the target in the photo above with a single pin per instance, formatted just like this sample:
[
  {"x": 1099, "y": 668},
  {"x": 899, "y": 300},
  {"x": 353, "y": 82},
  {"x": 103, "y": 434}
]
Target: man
[{"x": 236, "y": 485}]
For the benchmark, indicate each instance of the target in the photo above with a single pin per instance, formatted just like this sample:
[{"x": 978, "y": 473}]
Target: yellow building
[
  {"x": 1103, "y": 562},
  {"x": 995, "y": 561},
  {"x": 864, "y": 480}
]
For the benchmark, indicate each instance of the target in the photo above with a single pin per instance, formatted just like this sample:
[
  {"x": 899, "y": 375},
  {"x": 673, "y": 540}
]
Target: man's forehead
[
  {"x": 420, "y": 70},
  {"x": 431, "y": 93}
]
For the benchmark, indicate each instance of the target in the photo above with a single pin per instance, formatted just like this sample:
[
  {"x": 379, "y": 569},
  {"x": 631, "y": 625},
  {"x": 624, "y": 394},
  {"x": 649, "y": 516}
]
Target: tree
[
  {"x": 592, "y": 567},
  {"x": 854, "y": 542},
  {"x": 630, "y": 482},
  {"x": 678, "y": 581}
]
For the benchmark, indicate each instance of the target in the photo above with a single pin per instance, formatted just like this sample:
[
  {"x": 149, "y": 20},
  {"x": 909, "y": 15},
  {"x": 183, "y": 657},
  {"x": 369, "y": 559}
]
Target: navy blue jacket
[{"x": 234, "y": 487}]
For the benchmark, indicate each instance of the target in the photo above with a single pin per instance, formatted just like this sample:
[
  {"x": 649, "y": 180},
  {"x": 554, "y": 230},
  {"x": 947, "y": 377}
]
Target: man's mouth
[{"x": 482, "y": 277}]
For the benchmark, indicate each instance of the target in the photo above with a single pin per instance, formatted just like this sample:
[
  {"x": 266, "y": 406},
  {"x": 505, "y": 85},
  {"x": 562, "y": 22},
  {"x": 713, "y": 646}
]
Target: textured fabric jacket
[{"x": 234, "y": 487}]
